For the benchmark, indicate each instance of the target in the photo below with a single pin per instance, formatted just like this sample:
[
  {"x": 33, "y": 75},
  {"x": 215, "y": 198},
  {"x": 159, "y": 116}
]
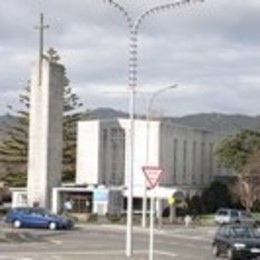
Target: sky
[{"x": 211, "y": 49}]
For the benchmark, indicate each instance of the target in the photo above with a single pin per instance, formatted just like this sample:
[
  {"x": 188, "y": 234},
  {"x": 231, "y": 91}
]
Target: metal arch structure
[{"x": 133, "y": 28}]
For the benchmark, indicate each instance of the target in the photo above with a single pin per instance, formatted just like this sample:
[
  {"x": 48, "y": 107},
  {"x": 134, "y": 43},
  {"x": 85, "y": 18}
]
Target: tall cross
[{"x": 41, "y": 29}]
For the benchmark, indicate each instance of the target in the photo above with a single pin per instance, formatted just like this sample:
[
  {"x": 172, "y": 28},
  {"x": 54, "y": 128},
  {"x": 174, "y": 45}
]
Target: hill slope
[{"x": 213, "y": 121}]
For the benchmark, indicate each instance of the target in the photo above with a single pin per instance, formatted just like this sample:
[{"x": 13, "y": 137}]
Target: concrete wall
[
  {"x": 88, "y": 140},
  {"x": 45, "y": 133},
  {"x": 187, "y": 155}
]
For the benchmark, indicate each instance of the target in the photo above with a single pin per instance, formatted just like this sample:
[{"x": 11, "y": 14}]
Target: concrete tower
[{"x": 45, "y": 130}]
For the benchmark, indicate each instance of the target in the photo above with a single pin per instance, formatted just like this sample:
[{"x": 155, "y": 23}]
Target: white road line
[
  {"x": 59, "y": 255},
  {"x": 201, "y": 238},
  {"x": 188, "y": 245},
  {"x": 67, "y": 253},
  {"x": 14, "y": 258},
  {"x": 172, "y": 255}
]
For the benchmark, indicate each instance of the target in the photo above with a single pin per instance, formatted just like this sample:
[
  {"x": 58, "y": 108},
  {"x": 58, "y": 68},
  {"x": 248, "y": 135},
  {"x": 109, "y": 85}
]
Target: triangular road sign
[{"x": 152, "y": 174}]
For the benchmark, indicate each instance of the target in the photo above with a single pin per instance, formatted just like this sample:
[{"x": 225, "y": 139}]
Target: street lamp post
[
  {"x": 148, "y": 118},
  {"x": 133, "y": 27}
]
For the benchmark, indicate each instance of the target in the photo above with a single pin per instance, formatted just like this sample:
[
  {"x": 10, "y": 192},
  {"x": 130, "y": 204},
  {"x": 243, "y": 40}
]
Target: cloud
[{"x": 212, "y": 49}]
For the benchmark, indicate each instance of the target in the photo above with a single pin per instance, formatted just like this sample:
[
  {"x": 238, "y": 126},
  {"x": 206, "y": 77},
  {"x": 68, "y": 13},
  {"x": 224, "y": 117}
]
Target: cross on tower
[{"x": 41, "y": 29}]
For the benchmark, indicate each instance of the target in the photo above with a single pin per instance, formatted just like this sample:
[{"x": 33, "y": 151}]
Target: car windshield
[
  {"x": 244, "y": 232},
  {"x": 222, "y": 213}
]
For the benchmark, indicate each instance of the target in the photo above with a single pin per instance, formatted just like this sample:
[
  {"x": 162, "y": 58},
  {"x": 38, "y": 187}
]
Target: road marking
[
  {"x": 66, "y": 253},
  {"x": 58, "y": 255},
  {"x": 165, "y": 253},
  {"x": 54, "y": 241},
  {"x": 187, "y": 236},
  {"x": 14, "y": 258}
]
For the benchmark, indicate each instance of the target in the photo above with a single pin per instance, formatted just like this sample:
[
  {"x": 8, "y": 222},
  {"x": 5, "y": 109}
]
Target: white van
[{"x": 225, "y": 216}]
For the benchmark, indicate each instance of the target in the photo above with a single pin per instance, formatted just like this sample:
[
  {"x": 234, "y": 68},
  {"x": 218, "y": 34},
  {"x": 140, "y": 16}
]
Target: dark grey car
[{"x": 237, "y": 241}]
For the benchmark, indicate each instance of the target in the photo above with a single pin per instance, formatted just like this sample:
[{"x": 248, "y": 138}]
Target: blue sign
[{"x": 101, "y": 195}]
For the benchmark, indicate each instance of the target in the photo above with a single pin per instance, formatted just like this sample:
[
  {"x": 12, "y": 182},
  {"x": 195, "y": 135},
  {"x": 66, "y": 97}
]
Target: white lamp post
[
  {"x": 148, "y": 118},
  {"x": 133, "y": 27}
]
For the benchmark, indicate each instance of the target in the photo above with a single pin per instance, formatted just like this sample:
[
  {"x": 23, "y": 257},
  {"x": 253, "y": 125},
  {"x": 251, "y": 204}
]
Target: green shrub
[
  {"x": 114, "y": 217},
  {"x": 93, "y": 217}
]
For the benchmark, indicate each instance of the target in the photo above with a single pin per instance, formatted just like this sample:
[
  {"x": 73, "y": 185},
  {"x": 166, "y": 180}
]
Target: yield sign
[{"x": 152, "y": 174}]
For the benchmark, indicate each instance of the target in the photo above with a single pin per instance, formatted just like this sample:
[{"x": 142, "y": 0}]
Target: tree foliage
[
  {"x": 241, "y": 153},
  {"x": 14, "y": 148},
  {"x": 234, "y": 151},
  {"x": 217, "y": 195},
  {"x": 247, "y": 185}
]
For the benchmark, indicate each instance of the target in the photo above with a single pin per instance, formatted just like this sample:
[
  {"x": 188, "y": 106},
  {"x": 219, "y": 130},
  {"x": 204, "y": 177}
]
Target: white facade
[{"x": 185, "y": 153}]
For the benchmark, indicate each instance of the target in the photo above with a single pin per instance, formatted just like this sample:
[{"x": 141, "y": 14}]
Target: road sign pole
[
  {"x": 152, "y": 174},
  {"x": 151, "y": 244}
]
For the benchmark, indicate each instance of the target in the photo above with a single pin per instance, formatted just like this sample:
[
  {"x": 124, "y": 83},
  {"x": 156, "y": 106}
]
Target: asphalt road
[{"x": 106, "y": 242}]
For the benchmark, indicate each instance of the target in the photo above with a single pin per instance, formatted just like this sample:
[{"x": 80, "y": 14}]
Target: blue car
[{"x": 37, "y": 218}]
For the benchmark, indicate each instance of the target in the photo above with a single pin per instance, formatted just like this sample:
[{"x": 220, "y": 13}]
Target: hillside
[
  {"x": 220, "y": 122},
  {"x": 213, "y": 121}
]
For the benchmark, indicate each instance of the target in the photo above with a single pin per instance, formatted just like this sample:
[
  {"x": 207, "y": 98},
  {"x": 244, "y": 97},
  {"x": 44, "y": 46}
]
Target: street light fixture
[
  {"x": 148, "y": 118},
  {"x": 133, "y": 27}
]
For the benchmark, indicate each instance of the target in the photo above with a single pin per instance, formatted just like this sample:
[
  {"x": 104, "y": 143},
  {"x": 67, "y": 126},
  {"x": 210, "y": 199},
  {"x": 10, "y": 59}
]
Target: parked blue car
[{"x": 37, "y": 218}]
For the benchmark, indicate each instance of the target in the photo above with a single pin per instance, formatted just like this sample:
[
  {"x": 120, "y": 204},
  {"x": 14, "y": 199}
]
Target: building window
[
  {"x": 104, "y": 156},
  {"x": 202, "y": 162},
  {"x": 194, "y": 159},
  {"x": 80, "y": 202},
  {"x": 117, "y": 138},
  {"x": 175, "y": 160},
  {"x": 184, "y": 161},
  {"x": 211, "y": 154}
]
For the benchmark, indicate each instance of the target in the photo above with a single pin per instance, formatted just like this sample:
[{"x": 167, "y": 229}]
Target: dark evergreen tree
[
  {"x": 71, "y": 116},
  {"x": 14, "y": 148}
]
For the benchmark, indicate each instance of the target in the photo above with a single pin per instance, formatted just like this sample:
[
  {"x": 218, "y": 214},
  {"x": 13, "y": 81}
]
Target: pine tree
[
  {"x": 71, "y": 116},
  {"x": 14, "y": 148}
]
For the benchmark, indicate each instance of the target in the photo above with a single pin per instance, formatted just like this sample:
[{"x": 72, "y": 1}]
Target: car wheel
[
  {"x": 52, "y": 226},
  {"x": 17, "y": 224},
  {"x": 230, "y": 255},
  {"x": 215, "y": 250}
]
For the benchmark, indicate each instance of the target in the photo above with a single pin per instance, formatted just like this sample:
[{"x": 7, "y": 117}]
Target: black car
[{"x": 237, "y": 241}]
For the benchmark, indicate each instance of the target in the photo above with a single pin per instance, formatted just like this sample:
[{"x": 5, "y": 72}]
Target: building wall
[
  {"x": 100, "y": 153},
  {"x": 88, "y": 144},
  {"x": 185, "y": 153}
]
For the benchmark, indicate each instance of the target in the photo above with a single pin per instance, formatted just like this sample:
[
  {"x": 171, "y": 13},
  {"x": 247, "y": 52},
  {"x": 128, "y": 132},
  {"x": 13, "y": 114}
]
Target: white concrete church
[{"x": 186, "y": 154}]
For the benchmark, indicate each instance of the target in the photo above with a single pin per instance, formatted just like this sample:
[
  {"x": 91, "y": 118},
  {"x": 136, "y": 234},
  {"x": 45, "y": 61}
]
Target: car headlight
[{"x": 239, "y": 245}]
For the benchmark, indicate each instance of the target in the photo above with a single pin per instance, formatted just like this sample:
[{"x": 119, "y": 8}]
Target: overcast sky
[{"x": 211, "y": 49}]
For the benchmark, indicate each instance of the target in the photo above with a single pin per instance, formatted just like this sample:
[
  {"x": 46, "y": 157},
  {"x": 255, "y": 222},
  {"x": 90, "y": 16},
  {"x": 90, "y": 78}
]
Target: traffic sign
[
  {"x": 171, "y": 200},
  {"x": 152, "y": 174}
]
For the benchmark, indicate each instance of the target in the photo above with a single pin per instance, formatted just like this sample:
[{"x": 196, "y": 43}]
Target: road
[{"x": 105, "y": 242}]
